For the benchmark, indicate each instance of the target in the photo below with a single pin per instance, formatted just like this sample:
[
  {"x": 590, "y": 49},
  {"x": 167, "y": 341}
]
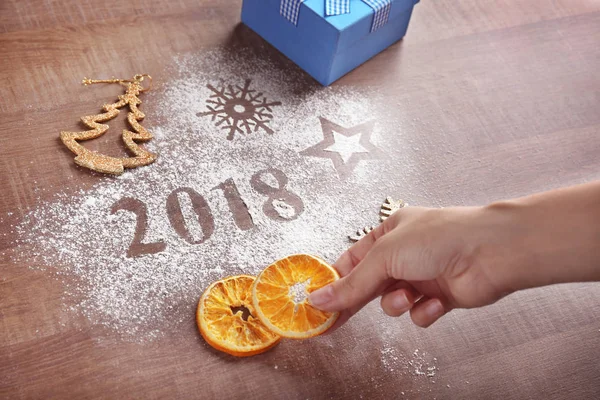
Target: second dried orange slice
[
  {"x": 227, "y": 320},
  {"x": 280, "y": 296}
]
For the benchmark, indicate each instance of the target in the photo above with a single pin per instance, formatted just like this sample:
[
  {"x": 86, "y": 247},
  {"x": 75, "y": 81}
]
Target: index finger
[{"x": 357, "y": 252}]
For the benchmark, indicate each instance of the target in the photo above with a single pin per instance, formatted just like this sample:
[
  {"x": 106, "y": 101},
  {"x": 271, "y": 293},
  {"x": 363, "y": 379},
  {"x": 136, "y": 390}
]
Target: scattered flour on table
[
  {"x": 77, "y": 235},
  {"x": 283, "y": 209},
  {"x": 418, "y": 364}
]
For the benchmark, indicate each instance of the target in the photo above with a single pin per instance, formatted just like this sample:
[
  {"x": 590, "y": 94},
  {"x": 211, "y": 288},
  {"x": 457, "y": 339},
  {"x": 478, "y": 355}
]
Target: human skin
[{"x": 429, "y": 261}]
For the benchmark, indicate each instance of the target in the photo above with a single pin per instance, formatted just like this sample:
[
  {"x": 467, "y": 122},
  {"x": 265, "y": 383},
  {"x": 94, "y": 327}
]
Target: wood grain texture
[{"x": 495, "y": 99}]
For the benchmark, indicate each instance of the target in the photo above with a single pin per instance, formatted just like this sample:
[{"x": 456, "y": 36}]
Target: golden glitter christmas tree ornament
[{"x": 107, "y": 164}]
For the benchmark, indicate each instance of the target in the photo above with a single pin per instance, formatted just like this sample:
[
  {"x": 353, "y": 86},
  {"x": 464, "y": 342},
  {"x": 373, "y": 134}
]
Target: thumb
[{"x": 357, "y": 288}]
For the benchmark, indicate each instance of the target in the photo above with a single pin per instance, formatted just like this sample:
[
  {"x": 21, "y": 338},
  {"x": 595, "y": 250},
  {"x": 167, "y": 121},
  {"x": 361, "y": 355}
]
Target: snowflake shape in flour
[{"x": 239, "y": 109}]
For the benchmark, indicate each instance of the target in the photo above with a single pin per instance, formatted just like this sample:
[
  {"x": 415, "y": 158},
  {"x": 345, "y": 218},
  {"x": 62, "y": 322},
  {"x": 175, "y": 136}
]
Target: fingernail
[
  {"x": 321, "y": 296},
  {"x": 434, "y": 309},
  {"x": 400, "y": 302}
]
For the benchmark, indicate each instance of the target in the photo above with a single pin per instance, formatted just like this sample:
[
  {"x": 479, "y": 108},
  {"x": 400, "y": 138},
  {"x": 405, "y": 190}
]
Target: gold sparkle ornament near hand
[
  {"x": 107, "y": 164},
  {"x": 387, "y": 209}
]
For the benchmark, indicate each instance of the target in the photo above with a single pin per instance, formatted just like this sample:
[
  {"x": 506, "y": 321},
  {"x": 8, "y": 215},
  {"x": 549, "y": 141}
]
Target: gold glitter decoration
[
  {"x": 389, "y": 207},
  {"x": 361, "y": 233},
  {"x": 107, "y": 164}
]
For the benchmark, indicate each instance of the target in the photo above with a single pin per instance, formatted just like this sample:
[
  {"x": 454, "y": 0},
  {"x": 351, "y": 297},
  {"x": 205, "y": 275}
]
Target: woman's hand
[{"x": 429, "y": 261}]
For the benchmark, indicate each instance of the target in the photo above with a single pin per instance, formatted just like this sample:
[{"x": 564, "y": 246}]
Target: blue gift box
[{"x": 327, "y": 47}]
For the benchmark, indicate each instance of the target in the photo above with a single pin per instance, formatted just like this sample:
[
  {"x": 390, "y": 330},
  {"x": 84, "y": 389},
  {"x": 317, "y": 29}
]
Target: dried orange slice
[
  {"x": 224, "y": 323},
  {"x": 279, "y": 295}
]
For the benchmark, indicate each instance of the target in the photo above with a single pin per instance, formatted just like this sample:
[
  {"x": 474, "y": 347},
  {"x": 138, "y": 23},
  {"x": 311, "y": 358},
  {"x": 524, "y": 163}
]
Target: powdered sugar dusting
[
  {"x": 283, "y": 209},
  {"x": 418, "y": 364},
  {"x": 298, "y": 291},
  {"x": 141, "y": 297},
  {"x": 78, "y": 235}
]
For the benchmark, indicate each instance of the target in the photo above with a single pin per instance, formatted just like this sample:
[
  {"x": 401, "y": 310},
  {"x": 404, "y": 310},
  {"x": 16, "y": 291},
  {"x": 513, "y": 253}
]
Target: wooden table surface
[{"x": 498, "y": 99}]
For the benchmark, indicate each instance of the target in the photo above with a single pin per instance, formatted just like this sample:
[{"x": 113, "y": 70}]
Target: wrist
[
  {"x": 545, "y": 239},
  {"x": 504, "y": 252}
]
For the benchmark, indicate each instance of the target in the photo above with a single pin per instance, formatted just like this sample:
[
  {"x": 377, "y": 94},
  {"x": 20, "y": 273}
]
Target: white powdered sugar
[
  {"x": 283, "y": 209},
  {"x": 79, "y": 235},
  {"x": 298, "y": 291},
  {"x": 418, "y": 364}
]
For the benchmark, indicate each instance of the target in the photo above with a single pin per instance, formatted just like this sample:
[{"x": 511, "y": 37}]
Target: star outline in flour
[{"x": 342, "y": 167}]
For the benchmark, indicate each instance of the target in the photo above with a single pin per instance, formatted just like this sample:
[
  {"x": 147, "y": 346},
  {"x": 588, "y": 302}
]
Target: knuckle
[
  {"x": 392, "y": 222},
  {"x": 387, "y": 253},
  {"x": 354, "y": 259},
  {"x": 348, "y": 285}
]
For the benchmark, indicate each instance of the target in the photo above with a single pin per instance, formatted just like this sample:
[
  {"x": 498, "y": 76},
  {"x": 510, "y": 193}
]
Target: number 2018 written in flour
[{"x": 201, "y": 209}]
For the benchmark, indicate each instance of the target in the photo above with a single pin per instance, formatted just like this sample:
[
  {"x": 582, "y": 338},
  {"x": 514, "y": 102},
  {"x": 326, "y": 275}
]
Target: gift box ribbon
[{"x": 291, "y": 8}]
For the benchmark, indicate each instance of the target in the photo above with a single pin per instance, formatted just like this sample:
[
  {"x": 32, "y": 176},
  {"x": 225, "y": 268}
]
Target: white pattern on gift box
[
  {"x": 337, "y": 7},
  {"x": 290, "y": 10},
  {"x": 382, "y": 12}
]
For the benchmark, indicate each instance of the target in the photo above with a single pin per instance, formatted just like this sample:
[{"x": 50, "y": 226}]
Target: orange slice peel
[
  {"x": 227, "y": 319},
  {"x": 280, "y": 296}
]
